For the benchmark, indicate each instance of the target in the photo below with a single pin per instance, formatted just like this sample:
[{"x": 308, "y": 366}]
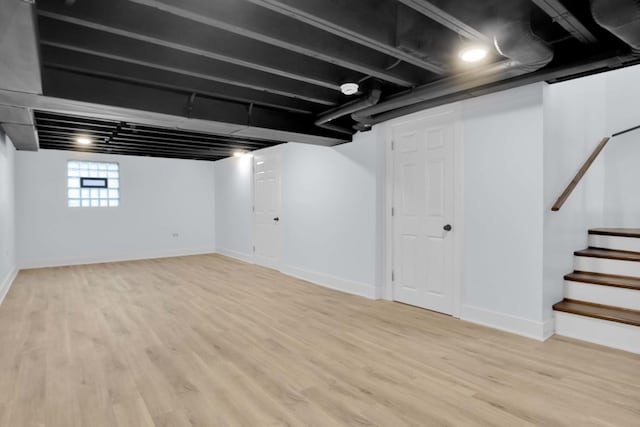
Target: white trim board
[
  {"x": 618, "y": 243},
  {"x": 325, "y": 280},
  {"x": 540, "y": 331},
  {"x": 69, "y": 261},
  {"x": 599, "y": 294},
  {"x": 606, "y": 266},
  {"x": 598, "y": 331},
  {"x": 332, "y": 282},
  {"x": 5, "y": 285},
  {"x": 240, "y": 256}
]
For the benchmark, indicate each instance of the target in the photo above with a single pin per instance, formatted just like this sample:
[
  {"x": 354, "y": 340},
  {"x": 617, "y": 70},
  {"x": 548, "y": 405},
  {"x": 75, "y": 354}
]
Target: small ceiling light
[
  {"x": 83, "y": 140},
  {"x": 473, "y": 54},
  {"x": 239, "y": 153},
  {"x": 349, "y": 88}
]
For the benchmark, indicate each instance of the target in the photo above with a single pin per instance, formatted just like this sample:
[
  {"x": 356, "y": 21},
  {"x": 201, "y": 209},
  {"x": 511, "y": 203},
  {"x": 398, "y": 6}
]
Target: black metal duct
[
  {"x": 621, "y": 18},
  {"x": 513, "y": 38},
  {"x": 371, "y": 99}
]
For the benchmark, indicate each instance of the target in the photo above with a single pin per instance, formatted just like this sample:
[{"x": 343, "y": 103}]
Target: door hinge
[
  {"x": 393, "y": 275},
  {"x": 393, "y": 211},
  {"x": 393, "y": 145}
]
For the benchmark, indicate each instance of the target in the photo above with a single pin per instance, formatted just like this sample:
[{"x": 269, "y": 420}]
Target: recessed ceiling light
[
  {"x": 239, "y": 153},
  {"x": 349, "y": 88},
  {"x": 473, "y": 54},
  {"x": 83, "y": 140}
]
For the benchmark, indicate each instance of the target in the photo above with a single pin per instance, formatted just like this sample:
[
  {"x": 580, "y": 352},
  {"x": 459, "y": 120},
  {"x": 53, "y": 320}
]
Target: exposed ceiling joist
[
  {"x": 61, "y": 132},
  {"x": 61, "y": 49},
  {"x": 335, "y": 17},
  {"x": 58, "y": 83},
  {"x": 566, "y": 19},
  {"x": 431, "y": 11},
  {"x": 244, "y": 53},
  {"x": 269, "y": 27}
]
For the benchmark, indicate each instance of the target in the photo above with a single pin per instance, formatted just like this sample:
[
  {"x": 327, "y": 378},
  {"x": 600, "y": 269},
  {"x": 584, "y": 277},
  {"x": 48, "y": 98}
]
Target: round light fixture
[
  {"x": 473, "y": 54},
  {"x": 83, "y": 140},
  {"x": 239, "y": 153},
  {"x": 349, "y": 88}
]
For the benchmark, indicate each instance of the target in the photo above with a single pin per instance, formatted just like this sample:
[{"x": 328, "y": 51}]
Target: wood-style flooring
[{"x": 210, "y": 341}]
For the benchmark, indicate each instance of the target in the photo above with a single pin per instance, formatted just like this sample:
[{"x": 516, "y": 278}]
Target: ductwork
[
  {"x": 621, "y": 18},
  {"x": 371, "y": 99},
  {"x": 513, "y": 38}
]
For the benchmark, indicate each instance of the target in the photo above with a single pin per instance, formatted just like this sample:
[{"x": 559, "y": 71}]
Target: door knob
[
  {"x": 447, "y": 227},
  {"x": 276, "y": 219}
]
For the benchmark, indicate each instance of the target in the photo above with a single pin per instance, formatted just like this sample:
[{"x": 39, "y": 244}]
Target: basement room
[{"x": 221, "y": 213}]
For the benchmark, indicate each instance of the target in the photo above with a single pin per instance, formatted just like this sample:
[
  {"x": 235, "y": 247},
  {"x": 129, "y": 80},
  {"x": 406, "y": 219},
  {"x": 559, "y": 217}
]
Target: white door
[
  {"x": 266, "y": 207},
  {"x": 423, "y": 202}
]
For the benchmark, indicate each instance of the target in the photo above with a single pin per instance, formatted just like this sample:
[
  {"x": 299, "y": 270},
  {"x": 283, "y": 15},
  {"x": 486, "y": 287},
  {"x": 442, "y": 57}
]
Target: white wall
[
  {"x": 574, "y": 124},
  {"x": 330, "y": 215},
  {"x": 7, "y": 215},
  {"x": 622, "y": 156},
  {"x": 159, "y": 197},
  {"x": 234, "y": 201},
  {"x": 503, "y": 144}
]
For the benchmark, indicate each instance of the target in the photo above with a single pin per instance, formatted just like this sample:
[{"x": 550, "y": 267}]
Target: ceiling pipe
[
  {"x": 542, "y": 75},
  {"x": 372, "y": 98},
  {"x": 621, "y": 18},
  {"x": 512, "y": 37}
]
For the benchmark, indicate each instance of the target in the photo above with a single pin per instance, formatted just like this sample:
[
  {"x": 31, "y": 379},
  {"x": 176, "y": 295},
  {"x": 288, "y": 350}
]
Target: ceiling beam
[
  {"x": 566, "y": 19},
  {"x": 433, "y": 12},
  {"x": 140, "y": 74},
  {"x": 140, "y": 53},
  {"x": 257, "y": 23},
  {"x": 345, "y": 19},
  {"x": 243, "y": 52},
  {"x": 73, "y": 86}
]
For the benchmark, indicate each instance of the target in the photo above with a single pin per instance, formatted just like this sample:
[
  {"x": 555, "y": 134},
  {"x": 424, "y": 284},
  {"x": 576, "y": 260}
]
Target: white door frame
[
  {"x": 277, "y": 151},
  {"x": 449, "y": 111}
]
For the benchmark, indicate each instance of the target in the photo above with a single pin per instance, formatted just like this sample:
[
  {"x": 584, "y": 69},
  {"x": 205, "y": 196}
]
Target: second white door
[
  {"x": 423, "y": 203},
  {"x": 267, "y": 201}
]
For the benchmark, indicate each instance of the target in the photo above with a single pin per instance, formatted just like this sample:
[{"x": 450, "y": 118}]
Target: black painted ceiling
[
  {"x": 61, "y": 132},
  {"x": 278, "y": 64}
]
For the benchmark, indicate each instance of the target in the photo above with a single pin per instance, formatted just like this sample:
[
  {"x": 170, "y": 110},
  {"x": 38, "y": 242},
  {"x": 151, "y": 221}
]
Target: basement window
[{"x": 93, "y": 184}]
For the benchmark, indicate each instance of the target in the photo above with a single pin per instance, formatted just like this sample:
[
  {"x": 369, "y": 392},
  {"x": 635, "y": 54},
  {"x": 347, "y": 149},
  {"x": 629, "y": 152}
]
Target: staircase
[{"x": 602, "y": 295}]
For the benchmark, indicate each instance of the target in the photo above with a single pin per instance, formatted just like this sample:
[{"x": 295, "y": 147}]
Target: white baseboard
[
  {"x": 540, "y": 331},
  {"x": 5, "y": 285},
  {"x": 236, "y": 255},
  {"x": 99, "y": 259},
  {"x": 332, "y": 282}
]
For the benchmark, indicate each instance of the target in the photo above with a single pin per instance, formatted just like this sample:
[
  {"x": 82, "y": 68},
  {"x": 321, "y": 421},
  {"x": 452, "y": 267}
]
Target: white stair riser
[
  {"x": 599, "y": 294},
  {"x": 598, "y": 331},
  {"x": 606, "y": 266},
  {"x": 629, "y": 244}
]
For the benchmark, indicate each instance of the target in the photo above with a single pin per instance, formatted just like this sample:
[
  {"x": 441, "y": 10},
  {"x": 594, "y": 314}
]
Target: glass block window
[{"x": 93, "y": 184}]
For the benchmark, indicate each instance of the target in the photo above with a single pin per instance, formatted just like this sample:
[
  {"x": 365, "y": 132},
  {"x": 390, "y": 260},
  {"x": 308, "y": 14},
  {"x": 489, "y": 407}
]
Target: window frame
[{"x": 84, "y": 168}]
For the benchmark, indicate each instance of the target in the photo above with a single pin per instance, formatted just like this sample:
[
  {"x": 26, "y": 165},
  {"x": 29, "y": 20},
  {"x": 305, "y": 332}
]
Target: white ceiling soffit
[{"x": 20, "y": 64}]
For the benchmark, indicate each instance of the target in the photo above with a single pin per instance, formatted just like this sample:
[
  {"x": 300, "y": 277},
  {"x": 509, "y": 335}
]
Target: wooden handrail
[
  {"x": 583, "y": 170},
  {"x": 574, "y": 182}
]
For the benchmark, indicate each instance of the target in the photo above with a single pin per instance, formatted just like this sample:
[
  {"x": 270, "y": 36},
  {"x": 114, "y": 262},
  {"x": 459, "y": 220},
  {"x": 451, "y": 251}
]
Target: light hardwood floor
[{"x": 210, "y": 341}]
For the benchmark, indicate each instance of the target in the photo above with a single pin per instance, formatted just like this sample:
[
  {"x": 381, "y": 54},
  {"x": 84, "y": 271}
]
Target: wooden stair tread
[
  {"x": 618, "y": 232},
  {"x": 608, "y": 253},
  {"x": 604, "y": 279},
  {"x": 604, "y": 312}
]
